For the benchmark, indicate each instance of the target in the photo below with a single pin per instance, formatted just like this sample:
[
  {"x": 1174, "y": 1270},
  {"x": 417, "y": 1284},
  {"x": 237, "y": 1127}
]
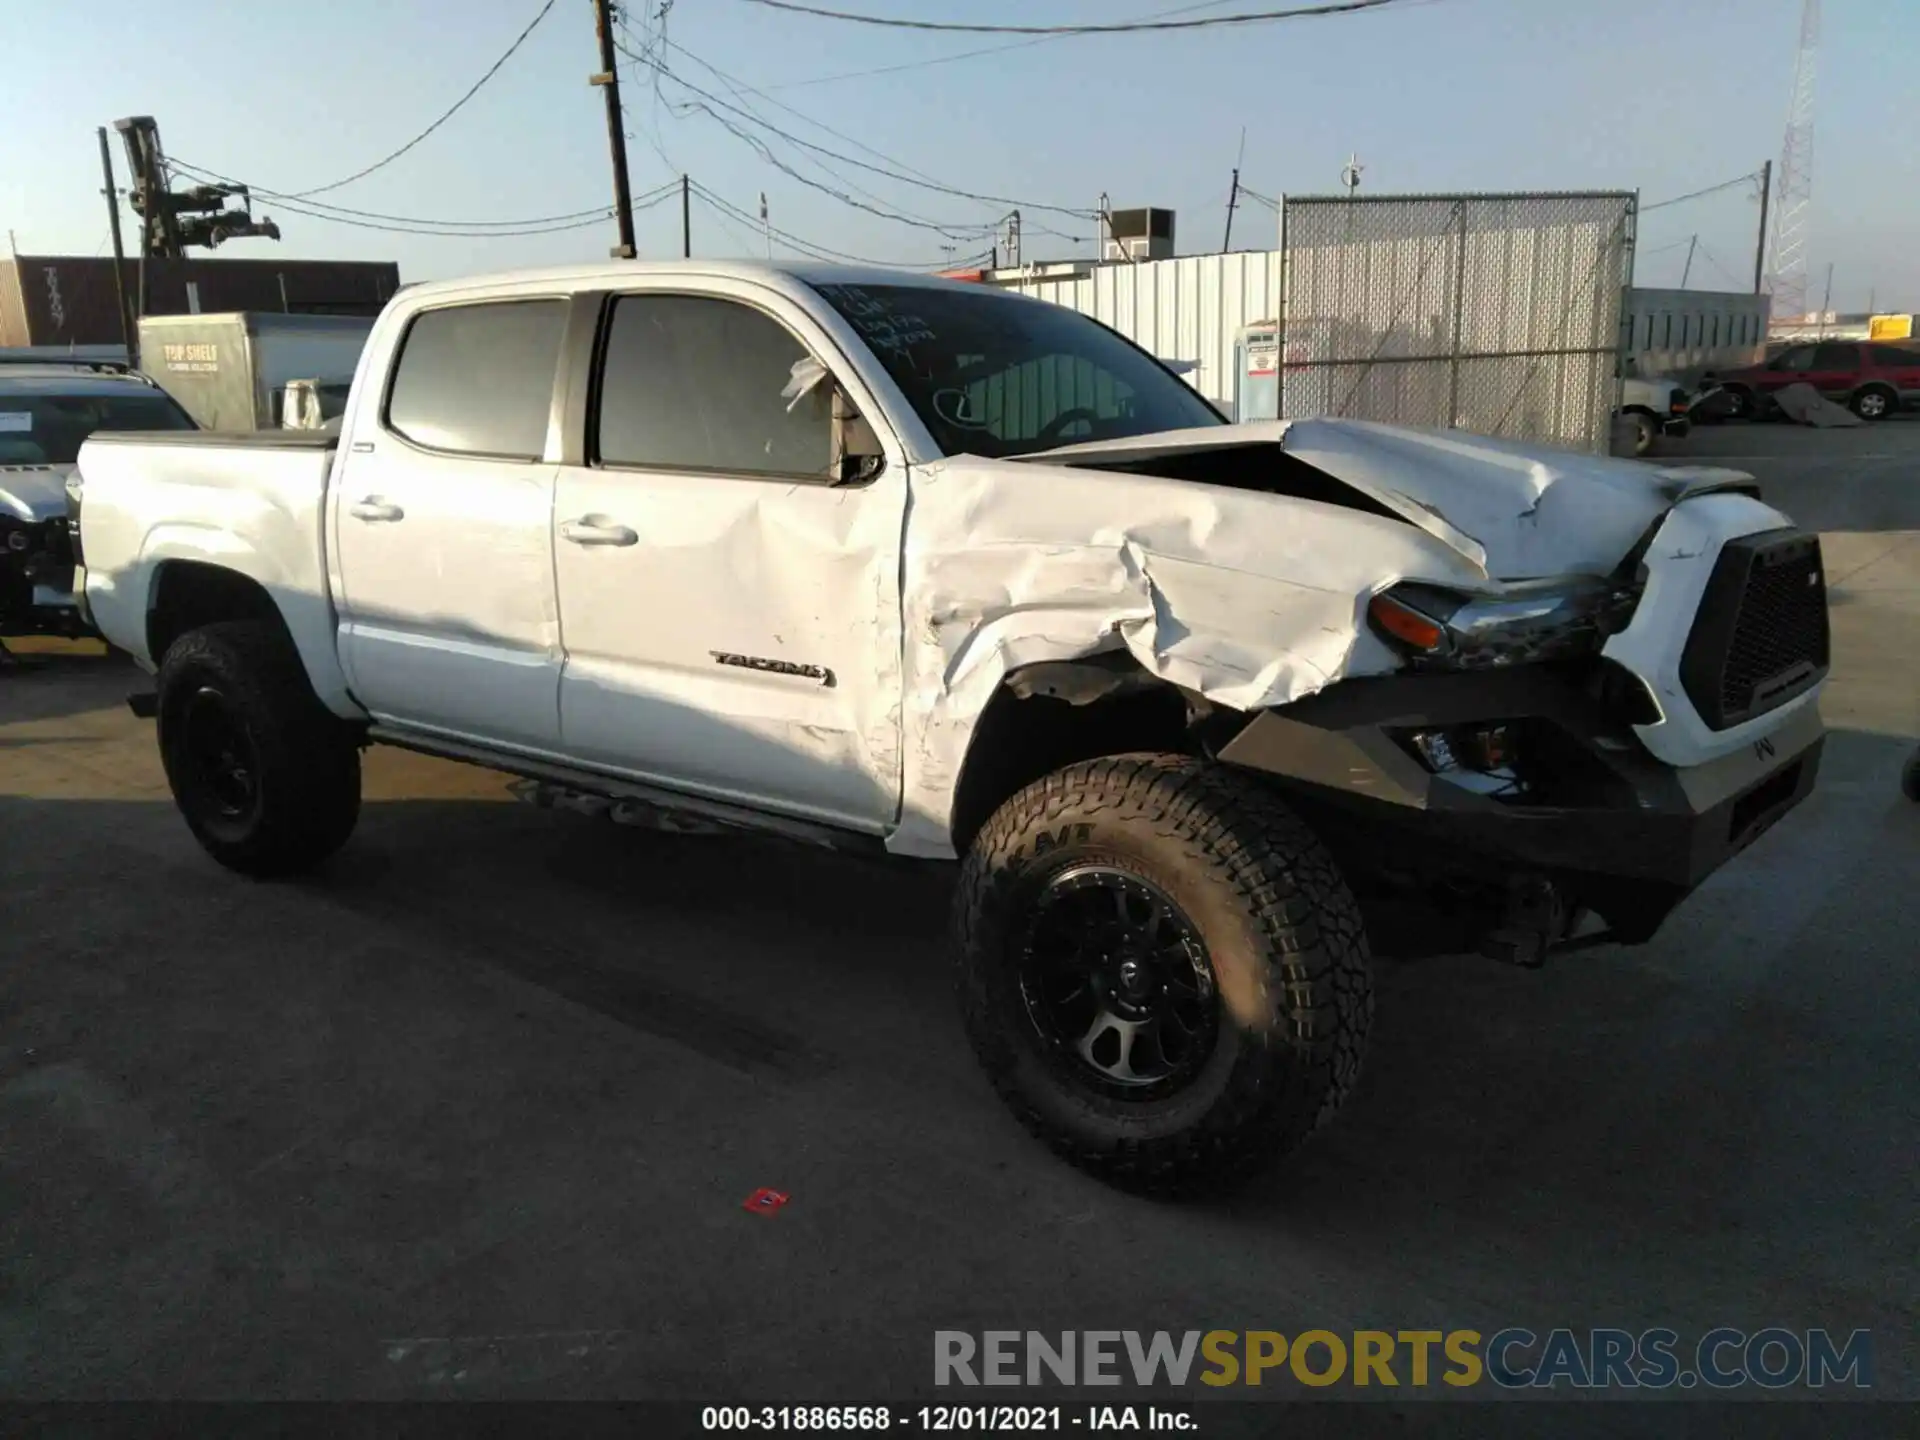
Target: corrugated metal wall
[{"x": 1192, "y": 308}]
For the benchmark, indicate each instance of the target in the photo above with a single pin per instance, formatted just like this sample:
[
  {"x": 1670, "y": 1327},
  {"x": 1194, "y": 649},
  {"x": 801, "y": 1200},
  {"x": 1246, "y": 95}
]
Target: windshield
[
  {"x": 45, "y": 429},
  {"x": 1002, "y": 375}
]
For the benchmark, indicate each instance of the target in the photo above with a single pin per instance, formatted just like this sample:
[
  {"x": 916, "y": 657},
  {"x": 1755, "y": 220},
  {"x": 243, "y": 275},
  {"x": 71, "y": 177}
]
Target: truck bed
[{"x": 259, "y": 501}]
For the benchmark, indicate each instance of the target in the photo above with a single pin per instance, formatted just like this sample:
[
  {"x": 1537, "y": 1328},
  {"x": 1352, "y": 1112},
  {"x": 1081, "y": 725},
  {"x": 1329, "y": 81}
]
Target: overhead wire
[
  {"x": 1120, "y": 27},
  {"x": 200, "y": 172},
  {"x": 445, "y": 115},
  {"x": 423, "y": 225},
  {"x": 809, "y": 247},
  {"x": 741, "y": 89},
  {"x": 1749, "y": 177},
  {"x": 901, "y": 175},
  {"x": 962, "y": 55}
]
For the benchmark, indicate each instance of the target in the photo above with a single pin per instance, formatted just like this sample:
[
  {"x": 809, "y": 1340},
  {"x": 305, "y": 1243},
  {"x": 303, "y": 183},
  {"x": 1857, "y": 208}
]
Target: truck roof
[{"x": 780, "y": 274}]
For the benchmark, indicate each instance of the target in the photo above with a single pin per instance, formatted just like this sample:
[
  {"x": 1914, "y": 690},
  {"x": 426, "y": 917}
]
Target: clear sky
[{"x": 1663, "y": 96}]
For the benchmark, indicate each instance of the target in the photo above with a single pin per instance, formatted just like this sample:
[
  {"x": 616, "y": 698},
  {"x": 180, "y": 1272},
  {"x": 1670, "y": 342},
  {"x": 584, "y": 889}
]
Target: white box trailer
[{"x": 231, "y": 371}]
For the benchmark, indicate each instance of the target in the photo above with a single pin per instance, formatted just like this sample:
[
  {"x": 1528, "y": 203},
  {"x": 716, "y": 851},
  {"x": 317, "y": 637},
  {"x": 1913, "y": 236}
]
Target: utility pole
[
  {"x": 686, "y": 220},
  {"x": 1233, "y": 191},
  {"x": 609, "y": 80},
  {"x": 1689, "y": 267},
  {"x": 1826, "y": 304},
  {"x": 1760, "y": 247},
  {"x": 127, "y": 332},
  {"x": 766, "y": 224}
]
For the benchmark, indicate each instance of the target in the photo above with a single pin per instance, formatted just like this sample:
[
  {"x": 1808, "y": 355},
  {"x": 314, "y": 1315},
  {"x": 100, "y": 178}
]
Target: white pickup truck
[{"x": 874, "y": 560}]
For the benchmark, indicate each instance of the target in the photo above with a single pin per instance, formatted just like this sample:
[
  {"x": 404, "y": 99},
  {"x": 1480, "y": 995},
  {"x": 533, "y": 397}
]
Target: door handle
[
  {"x": 597, "y": 530},
  {"x": 374, "y": 508}
]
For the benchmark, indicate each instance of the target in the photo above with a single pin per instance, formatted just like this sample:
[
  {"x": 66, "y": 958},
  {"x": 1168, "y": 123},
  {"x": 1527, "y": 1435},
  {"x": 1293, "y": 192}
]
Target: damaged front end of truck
[{"x": 1527, "y": 700}]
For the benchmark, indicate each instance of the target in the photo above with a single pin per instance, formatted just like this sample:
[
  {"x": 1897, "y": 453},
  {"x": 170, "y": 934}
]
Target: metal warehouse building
[{"x": 71, "y": 299}]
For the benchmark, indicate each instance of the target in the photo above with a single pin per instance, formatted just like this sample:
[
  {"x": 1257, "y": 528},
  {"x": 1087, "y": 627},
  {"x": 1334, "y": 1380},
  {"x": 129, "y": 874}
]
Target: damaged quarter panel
[{"x": 1250, "y": 599}]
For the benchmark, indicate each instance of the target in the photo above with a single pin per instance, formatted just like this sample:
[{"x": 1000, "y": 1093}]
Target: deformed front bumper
[{"x": 1624, "y": 834}]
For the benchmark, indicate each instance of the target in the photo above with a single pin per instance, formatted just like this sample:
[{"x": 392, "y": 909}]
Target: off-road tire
[
  {"x": 1282, "y": 932},
  {"x": 306, "y": 761}
]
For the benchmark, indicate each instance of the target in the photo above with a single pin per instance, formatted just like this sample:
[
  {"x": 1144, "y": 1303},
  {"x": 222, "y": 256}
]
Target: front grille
[{"x": 1761, "y": 635}]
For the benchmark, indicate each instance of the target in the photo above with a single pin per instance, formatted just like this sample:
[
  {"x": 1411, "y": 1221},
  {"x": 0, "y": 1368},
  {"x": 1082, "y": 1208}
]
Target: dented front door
[{"x": 730, "y": 618}]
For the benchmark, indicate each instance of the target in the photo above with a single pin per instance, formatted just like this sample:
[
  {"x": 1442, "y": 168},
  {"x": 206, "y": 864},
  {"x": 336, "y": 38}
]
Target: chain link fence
[{"x": 1497, "y": 314}]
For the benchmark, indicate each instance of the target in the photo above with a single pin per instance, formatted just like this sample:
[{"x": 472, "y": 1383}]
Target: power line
[
  {"x": 1748, "y": 178},
  {"x": 896, "y": 175},
  {"x": 203, "y": 173},
  {"x": 812, "y": 248},
  {"x": 492, "y": 70},
  {"x": 1122, "y": 27},
  {"x": 952, "y": 231},
  {"x": 962, "y": 55},
  {"x": 599, "y": 217}
]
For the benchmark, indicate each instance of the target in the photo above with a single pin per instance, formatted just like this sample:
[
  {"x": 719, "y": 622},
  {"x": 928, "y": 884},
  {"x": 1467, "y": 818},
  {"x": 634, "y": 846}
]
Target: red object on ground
[{"x": 764, "y": 1201}]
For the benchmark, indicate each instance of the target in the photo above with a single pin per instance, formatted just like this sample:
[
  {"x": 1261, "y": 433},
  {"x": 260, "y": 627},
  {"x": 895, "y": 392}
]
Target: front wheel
[
  {"x": 1161, "y": 970},
  {"x": 267, "y": 779},
  {"x": 1910, "y": 778},
  {"x": 1645, "y": 434},
  {"x": 1741, "y": 403}
]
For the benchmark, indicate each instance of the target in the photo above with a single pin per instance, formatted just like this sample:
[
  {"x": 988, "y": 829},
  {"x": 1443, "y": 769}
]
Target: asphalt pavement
[{"x": 474, "y": 1112}]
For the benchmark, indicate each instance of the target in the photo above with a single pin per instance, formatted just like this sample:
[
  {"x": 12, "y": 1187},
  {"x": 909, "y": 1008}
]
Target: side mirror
[{"x": 857, "y": 456}]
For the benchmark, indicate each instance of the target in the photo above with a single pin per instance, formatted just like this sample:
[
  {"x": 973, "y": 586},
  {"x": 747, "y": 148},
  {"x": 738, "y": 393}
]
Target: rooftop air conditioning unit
[{"x": 1138, "y": 235}]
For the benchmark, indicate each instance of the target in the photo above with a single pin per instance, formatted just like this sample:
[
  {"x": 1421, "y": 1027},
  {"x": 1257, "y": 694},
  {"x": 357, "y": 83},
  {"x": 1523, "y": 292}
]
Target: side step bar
[{"x": 628, "y": 801}]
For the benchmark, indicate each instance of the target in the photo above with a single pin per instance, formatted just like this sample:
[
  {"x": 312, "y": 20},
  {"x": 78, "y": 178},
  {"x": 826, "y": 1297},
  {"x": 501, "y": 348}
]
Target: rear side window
[
  {"x": 693, "y": 383},
  {"x": 1891, "y": 356},
  {"x": 478, "y": 379}
]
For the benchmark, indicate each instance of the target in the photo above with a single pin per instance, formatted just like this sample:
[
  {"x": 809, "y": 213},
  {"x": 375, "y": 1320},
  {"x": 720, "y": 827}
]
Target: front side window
[
  {"x": 478, "y": 379},
  {"x": 689, "y": 382},
  {"x": 47, "y": 428},
  {"x": 1798, "y": 359},
  {"x": 1001, "y": 375}
]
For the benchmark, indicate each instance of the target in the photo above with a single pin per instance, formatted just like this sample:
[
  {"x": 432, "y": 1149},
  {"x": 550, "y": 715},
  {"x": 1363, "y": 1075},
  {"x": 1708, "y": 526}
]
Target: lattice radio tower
[{"x": 1793, "y": 202}]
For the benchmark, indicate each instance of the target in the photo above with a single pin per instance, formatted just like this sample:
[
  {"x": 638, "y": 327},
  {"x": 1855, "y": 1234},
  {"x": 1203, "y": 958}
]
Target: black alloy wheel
[
  {"x": 1116, "y": 980},
  {"x": 222, "y": 763}
]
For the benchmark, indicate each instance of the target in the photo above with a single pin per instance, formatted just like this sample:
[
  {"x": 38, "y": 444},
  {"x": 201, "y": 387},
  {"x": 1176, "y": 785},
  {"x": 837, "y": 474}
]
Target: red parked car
[{"x": 1872, "y": 380}]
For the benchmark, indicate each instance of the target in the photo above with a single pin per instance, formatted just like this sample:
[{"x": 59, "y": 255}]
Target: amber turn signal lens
[{"x": 1406, "y": 625}]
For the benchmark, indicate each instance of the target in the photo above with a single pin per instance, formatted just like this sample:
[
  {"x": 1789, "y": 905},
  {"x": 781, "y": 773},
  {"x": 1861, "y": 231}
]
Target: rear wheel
[
  {"x": 267, "y": 779},
  {"x": 1875, "y": 402},
  {"x": 1161, "y": 971}
]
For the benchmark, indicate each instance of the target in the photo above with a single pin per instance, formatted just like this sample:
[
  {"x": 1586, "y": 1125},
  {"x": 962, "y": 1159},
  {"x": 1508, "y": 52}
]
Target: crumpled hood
[
  {"x": 1514, "y": 511},
  {"x": 33, "y": 492}
]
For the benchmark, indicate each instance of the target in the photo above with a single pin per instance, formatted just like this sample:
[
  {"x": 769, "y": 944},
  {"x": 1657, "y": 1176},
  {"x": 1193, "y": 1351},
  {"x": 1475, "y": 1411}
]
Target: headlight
[{"x": 1443, "y": 629}]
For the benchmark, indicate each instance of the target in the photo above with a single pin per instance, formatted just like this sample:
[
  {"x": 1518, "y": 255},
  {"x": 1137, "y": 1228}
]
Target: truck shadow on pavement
[{"x": 485, "y": 1031}]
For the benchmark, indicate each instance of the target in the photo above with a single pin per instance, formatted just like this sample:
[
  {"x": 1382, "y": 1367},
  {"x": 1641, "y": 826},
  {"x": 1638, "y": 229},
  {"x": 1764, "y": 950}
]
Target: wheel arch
[
  {"x": 188, "y": 590},
  {"x": 1055, "y": 713}
]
